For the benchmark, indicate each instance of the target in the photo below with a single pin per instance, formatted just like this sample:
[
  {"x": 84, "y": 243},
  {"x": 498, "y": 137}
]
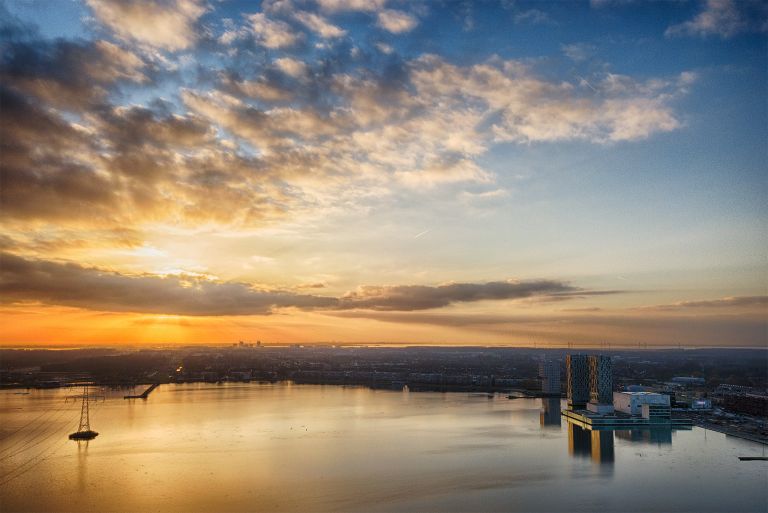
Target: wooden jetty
[{"x": 144, "y": 394}]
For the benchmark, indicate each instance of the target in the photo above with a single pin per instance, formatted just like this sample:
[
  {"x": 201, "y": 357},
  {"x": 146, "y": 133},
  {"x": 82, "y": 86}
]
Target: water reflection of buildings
[
  {"x": 550, "y": 412},
  {"x": 651, "y": 436},
  {"x": 595, "y": 411},
  {"x": 597, "y": 444}
]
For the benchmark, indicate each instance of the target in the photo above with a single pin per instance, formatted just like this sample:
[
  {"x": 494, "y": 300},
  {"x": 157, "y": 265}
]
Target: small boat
[{"x": 753, "y": 458}]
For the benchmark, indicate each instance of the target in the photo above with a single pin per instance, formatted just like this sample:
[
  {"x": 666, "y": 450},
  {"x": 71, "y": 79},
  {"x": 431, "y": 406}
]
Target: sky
[{"x": 381, "y": 171}]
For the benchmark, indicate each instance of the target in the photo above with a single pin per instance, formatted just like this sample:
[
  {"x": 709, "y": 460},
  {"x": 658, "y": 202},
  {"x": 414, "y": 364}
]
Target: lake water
[{"x": 284, "y": 447}]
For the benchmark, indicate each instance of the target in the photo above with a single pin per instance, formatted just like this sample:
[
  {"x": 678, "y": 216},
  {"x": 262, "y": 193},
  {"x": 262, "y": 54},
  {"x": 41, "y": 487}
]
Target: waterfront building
[
  {"x": 600, "y": 379},
  {"x": 577, "y": 380},
  {"x": 549, "y": 374},
  {"x": 589, "y": 382},
  {"x": 650, "y": 406},
  {"x": 600, "y": 384}
]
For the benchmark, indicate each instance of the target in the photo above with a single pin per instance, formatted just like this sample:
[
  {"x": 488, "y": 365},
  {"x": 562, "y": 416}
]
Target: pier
[
  {"x": 619, "y": 420},
  {"x": 144, "y": 394}
]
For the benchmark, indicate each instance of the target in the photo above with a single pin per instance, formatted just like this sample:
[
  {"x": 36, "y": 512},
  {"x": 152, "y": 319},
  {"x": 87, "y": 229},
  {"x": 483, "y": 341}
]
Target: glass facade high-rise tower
[
  {"x": 589, "y": 380},
  {"x": 577, "y": 377},
  {"x": 600, "y": 379}
]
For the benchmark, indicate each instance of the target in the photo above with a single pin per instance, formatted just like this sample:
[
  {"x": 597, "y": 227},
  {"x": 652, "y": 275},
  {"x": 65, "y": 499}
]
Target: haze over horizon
[{"x": 376, "y": 171}]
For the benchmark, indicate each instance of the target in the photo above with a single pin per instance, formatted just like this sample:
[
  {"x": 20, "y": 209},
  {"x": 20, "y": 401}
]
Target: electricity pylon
[{"x": 84, "y": 431}]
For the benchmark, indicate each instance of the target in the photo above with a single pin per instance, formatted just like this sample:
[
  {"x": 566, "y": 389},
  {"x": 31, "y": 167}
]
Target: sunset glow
[{"x": 189, "y": 172}]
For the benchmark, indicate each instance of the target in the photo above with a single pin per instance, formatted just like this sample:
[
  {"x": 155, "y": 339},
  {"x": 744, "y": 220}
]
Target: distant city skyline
[{"x": 297, "y": 171}]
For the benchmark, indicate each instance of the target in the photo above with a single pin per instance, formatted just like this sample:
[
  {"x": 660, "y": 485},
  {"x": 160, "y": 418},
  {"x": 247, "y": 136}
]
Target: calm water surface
[{"x": 284, "y": 447}]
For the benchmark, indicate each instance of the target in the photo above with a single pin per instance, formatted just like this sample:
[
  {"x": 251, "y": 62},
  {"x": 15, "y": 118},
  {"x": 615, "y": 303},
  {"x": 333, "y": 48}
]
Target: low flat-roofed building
[{"x": 649, "y": 405}]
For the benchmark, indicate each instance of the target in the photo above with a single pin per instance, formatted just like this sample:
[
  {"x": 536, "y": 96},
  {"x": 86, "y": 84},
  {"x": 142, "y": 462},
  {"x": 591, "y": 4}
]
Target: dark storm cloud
[{"x": 70, "y": 284}]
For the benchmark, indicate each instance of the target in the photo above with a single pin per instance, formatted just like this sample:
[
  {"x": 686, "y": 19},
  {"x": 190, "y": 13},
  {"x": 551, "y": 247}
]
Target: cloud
[
  {"x": 121, "y": 167},
  {"x": 351, "y": 5},
  {"x": 262, "y": 138},
  {"x": 69, "y": 284},
  {"x": 726, "y": 302},
  {"x": 421, "y": 297},
  {"x": 607, "y": 3},
  {"x": 170, "y": 24},
  {"x": 318, "y": 24},
  {"x": 291, "y": 67},
  {"x": 578, "y": 52},
  {"x": 724, "y": 18},
  {"x": 312, "y": 285},
  {"x": 617, "y": 327},
  {"x": 493, "y": 194},
  {"x": 68, "y": 74},
  {"x": 43, "y": 174},
  {"x": 451, "y": 169},
  {"x": 74, "y": 285},
  {"x": 395, "y": 21},
  {"x": 273, "y": 33},
  {"x": 533, "y": 17},
  {"x": 268, "y": 89},
  {"x": 526, "y": 108},
  {"x": 40, "y": 243}
]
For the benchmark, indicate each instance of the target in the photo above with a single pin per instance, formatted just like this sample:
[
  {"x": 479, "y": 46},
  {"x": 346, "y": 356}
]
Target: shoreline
[{"x": 736, "y": 434}]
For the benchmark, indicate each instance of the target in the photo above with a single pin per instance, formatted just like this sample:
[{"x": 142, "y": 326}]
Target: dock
[
  {"x": 619, "y": 420},
  {"x": 144, "y": 394}
]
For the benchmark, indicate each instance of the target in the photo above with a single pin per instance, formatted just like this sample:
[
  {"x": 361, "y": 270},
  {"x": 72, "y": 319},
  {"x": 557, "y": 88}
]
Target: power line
[
  {"x": 34, "y": 442},
  {"x": 37, "y": 431},
  {"x": 5, "y": 479}
]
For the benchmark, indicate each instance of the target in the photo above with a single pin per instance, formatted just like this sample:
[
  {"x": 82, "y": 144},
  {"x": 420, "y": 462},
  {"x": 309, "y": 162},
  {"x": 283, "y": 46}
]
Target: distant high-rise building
[
  {"x": 549, "y": 373},
  {"x": 590, "y": 382},
  {"x": 577, "y": 380}
]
